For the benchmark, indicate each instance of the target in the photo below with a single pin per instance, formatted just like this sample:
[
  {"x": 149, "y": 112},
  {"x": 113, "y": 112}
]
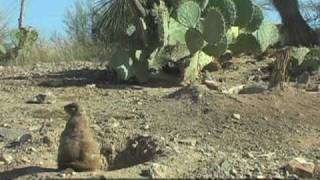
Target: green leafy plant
[{"x": 194, "y": 31}]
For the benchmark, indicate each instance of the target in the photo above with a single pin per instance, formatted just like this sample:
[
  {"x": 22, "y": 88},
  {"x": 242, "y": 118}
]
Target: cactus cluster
[
  {"x": 303, "y": 59},
  {"x": 199, "y": 31}
]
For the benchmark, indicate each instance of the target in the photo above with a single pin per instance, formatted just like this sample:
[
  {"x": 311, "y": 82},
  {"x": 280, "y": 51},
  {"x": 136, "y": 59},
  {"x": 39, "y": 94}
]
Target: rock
[
  {"x": 233, "y": 90},
  {"x": 249, "y": 155},
  {"x": 14, "y": 137},
  {"x": 316, "y": 171},
  {"x": 261, "y": 177},
  {"x": 188, "y": 142},
  {"x": 47, "y": 98},
  {"x": 25, "y": 159},
  {"x": 146, "y": 127},
  {"x": 32, "y": 149},
  {"x": 300, "y": 167},
  {"x": 6, "y": 158},
  {"x": 212, "y": 84},
  {"x": 313, "y": 88},
  {"x": 113, "y": 123},
  {"x": 155, "y": 171},
  {"x": 236, "y": 116},
  {"x": 91, "y": 86},
  {"x": 254, "y": 89}
]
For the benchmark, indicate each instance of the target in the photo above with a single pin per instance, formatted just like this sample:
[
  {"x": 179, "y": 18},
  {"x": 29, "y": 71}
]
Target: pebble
[
  {"x": 6, "y": 158},
  {"x": 211, "y": 84},
  {"x": 146, "y": 127},
  {"x": 188, "y": 142},
  {"x": 25, "y": 160},
  {"x": 236, "y": 116},
  {"x": 155, "y": 171},
  {"x": 91, "y": 86}
]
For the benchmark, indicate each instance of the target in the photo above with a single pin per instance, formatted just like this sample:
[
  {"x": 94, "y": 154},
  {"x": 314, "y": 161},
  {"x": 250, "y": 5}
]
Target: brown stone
[
  {"x": 316, "y": 171},
  {"x": 301, "y": 167}
]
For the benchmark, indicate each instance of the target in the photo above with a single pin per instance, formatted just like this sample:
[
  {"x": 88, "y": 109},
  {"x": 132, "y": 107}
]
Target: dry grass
[{"x": 58, "y": 50}]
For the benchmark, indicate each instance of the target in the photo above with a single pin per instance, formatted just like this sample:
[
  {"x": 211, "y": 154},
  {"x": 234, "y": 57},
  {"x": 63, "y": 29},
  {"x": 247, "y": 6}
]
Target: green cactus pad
[
  {"x": 227, "y": 8},
  {"x": 197, "y": 63},
  {"x": 256, "y": 20},
  {"x": 189, "y": 14},
  {"x": 175, "y": 33},
  {"x": 122, "y": 64},
  {"x": 213, "y": 26},
  {"x": 245, "y": 43},
  {"x": 244, "y": 12},
  {"x": 297, "y": 55},
  {"x": 2, "y": 50},
  {"x": 267, "y": 35},
  {"x": 194, "y": 40},
  {"x": 311, "y": 61},
  {"x": 218, "y": 49}
]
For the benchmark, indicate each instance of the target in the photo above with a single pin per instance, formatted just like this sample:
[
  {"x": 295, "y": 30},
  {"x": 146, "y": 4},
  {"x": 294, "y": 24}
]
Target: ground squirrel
[{"x": 78, "y": 147}]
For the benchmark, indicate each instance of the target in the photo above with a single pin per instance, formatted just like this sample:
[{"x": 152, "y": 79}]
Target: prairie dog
[{"x": 78, "y": 148}]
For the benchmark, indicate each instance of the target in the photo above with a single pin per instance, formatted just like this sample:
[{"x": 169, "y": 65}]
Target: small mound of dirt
[
  {"x": 194, "y": 93},
  {"x": 138, "y": 149}
]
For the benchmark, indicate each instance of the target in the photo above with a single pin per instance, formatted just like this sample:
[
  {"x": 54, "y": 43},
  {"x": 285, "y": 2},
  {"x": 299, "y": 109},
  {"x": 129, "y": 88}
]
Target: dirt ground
[{"x": 155, "y": 131}]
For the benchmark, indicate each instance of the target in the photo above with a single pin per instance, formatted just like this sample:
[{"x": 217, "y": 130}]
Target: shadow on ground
[
  {"x": 100, "y": 78},
  {"x": 22, "y": 171}
]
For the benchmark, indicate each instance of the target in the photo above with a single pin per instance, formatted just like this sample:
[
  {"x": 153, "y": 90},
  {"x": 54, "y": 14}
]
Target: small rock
[
  {"x": 188, "y": 142},
  {"x": 300, "y": 167},
  {"x": 91, "y": 86},
  {"x": 14, "y": 137},
  {"x": 313, "y": 88},
  {"x": 316, "y": 171},
  {"x": 233, "y": 172},
  {"x": 5, "y": 125},
  {"x": 232, "y": 90},
  {"x": 42, "y": 99},
  {"x": 236, "y": 116},
  {"x": 6, "y": 158},
  {"x": 261, "y": 177},
  {"x": 254, "y": 89},
  {"x": 146, "y": 127},
  {"x": 155, "y": 171},
  {"x": 32, "y": 149},
  {"x": 211, "y": 84},
  {"x": 25, "y": 159}
]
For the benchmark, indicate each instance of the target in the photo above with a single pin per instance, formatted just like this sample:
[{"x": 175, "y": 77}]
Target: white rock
[
  {"x": 236, "y": 116},
  {"x": 6, "y": 158}
]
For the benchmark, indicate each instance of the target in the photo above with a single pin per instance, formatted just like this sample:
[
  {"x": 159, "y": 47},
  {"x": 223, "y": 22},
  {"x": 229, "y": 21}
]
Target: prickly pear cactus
[
  {"x": 189, "y": 14},
  {"x": 311, "y": 61},
  {"x": 197, "y": 63},
  {"x": 195, "y": 32},
  {"x": 194, "y": 40},
  {"x": 256, "y": 20},
  {"x": 2, "y": 50},
  {"x": 218, "y": 49},
  {"x": 227, "y": 8},
  {"x": 244, "y": 9}
]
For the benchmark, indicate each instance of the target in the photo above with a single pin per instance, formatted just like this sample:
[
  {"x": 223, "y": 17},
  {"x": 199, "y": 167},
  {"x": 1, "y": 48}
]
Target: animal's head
[{"x": 72, "y": 108}]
